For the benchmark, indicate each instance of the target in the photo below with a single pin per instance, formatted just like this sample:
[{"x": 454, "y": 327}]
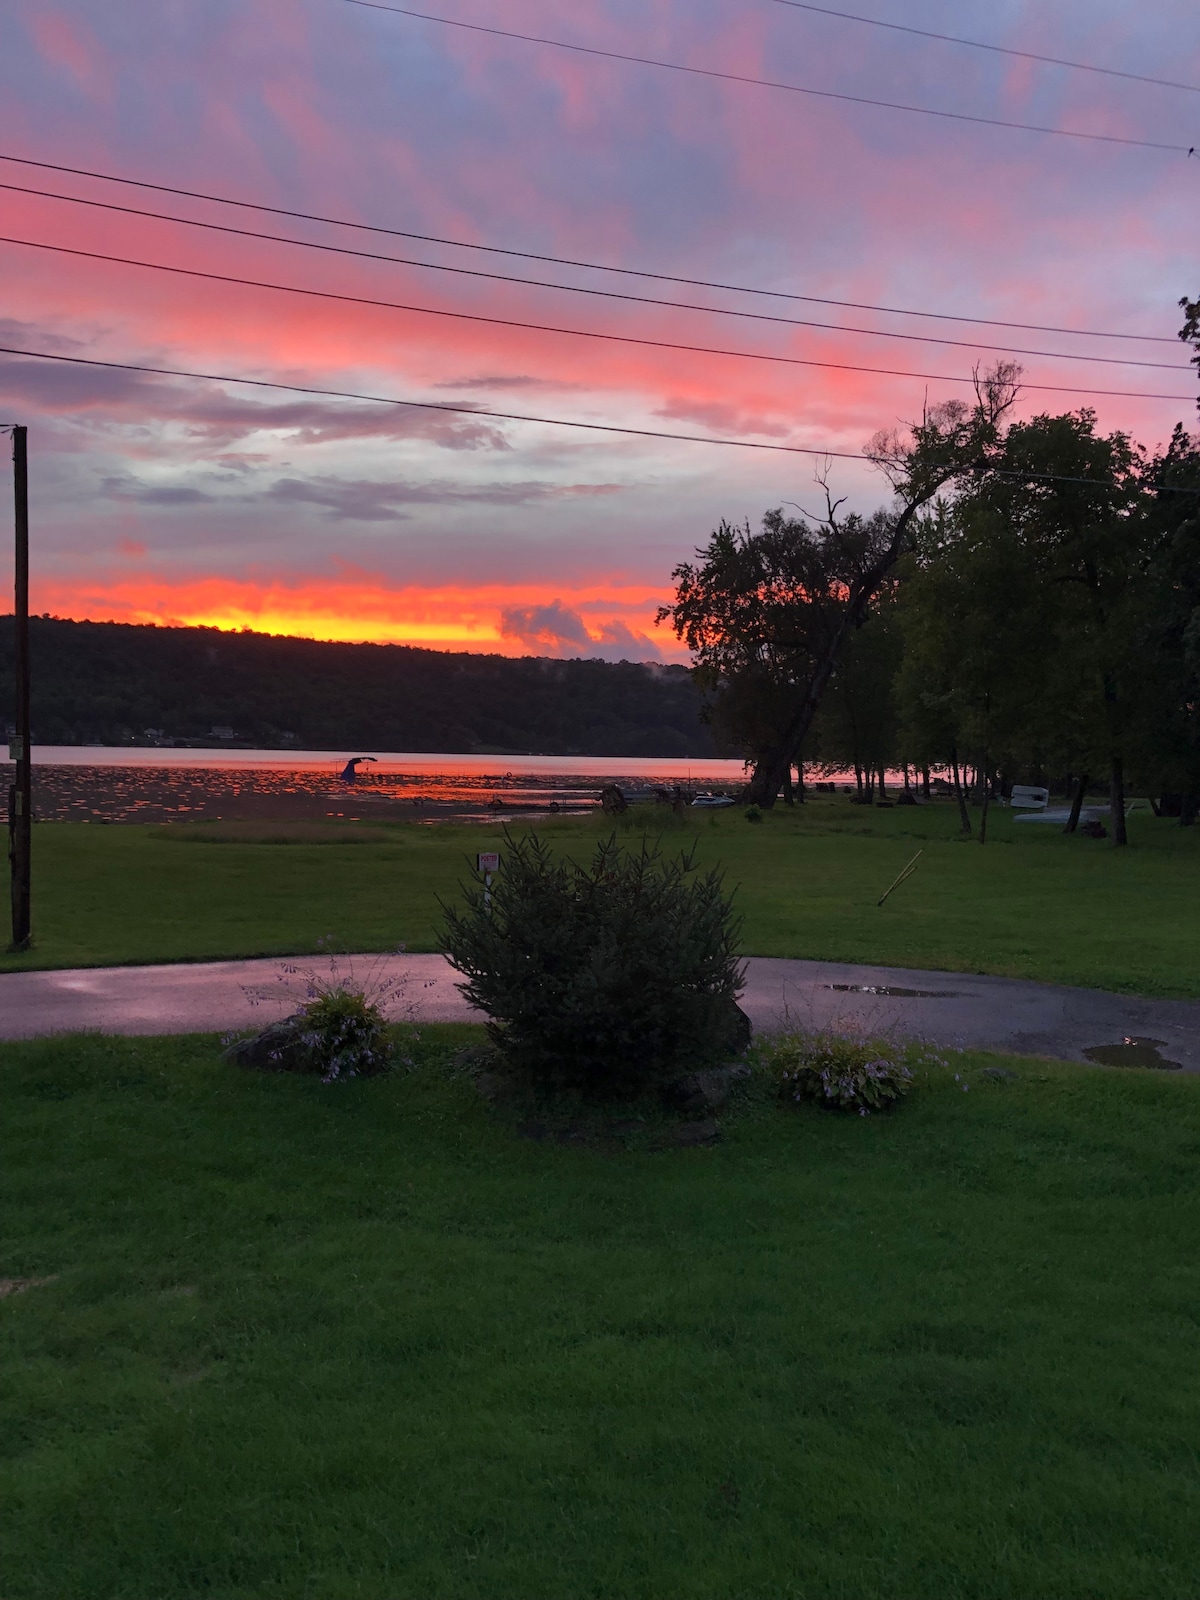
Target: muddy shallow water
[
  {"x": 123, "y": 794},
  {"x": 1132, "y": 1052}
]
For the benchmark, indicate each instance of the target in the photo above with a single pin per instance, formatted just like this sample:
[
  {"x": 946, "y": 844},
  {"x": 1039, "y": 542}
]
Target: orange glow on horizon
[
  {"x": 493, "y": 619},
  {"x": 265, "y": 502}
]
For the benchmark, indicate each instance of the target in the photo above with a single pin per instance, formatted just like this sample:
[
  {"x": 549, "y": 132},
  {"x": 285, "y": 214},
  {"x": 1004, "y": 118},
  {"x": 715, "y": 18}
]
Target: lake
[
  {"x": 109, "y": 784},
  {"x": 605, "y": 769}
]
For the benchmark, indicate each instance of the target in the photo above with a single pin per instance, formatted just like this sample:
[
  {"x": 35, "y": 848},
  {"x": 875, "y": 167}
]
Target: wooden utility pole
[{"x": 20, "y": 796}]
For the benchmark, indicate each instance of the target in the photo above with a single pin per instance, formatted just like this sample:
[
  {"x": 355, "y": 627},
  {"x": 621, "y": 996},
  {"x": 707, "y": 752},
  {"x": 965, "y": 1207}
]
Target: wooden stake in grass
[{"x": 909, "y": 869}]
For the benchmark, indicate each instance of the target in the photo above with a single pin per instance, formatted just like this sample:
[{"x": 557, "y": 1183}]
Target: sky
[{"x": 160, "y": 499}]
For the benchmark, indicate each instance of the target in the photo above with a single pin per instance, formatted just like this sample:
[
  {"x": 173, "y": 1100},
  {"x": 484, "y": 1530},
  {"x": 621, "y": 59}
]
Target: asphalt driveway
[{"x": 950, "y": 1009}]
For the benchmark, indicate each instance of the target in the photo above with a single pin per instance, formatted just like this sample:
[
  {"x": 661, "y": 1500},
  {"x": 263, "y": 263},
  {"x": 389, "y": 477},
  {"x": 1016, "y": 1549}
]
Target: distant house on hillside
[{"x": 221, "y": 733}]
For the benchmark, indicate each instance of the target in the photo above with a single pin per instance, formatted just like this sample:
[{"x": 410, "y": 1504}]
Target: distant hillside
[{"x": 107, "y": 683}]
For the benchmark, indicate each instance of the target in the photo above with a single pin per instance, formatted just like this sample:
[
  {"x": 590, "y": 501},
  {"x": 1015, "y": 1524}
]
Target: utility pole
[{"x": 20, "y": 796}]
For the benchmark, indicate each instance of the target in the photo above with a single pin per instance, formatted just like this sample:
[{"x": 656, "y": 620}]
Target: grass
[
  {"x": 1031, "y": 904},
  {"x": 363, "y": 1341}
]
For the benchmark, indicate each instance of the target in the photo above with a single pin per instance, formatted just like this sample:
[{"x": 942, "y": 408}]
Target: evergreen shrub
[{"x": 609, "y": 978}]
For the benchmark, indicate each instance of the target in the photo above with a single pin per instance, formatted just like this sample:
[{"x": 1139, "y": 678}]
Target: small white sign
[{"x": 488, "y": 861}]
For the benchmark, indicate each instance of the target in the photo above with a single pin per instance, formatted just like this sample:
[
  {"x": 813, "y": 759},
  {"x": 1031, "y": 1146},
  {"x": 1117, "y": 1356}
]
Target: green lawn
[
  {"x": 1030, "y": 904},
  {"x": 363, "y": 1340}
]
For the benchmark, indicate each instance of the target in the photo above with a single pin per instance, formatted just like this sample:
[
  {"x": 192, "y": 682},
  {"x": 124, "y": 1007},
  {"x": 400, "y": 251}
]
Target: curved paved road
[{"x": 951, "y": 1009}]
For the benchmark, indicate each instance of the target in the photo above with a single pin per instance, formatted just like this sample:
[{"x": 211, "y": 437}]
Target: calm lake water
[
  {"x": 603, "y": 768},
  {"x": 86, "y": 784}
]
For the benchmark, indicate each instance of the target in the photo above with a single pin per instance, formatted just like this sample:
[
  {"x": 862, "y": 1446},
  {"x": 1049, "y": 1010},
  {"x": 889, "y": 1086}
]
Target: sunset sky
[{"x": 161, "y": 499}]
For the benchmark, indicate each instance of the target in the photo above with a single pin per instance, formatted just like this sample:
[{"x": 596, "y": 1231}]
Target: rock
[
  {"x": 998, "y": 1074},
  {"x": 705, "y": 1091},
  {"x": 744, "y": 1030},
  {"x": 612, "y": 802},
  {"x": 278, "y": 1048},
  {"x": 694, "y": 1133}
]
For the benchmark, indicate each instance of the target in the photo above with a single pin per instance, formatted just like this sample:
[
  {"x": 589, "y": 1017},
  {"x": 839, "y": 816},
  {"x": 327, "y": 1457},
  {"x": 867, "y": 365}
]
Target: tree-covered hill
[{"x": 107, "y": 683}]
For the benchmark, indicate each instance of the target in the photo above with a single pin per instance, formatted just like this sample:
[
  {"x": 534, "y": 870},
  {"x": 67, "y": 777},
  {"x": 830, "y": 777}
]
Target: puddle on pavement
[
  {"x": 1133, "y": 1052},
  {"x": 883, "y": 988}
]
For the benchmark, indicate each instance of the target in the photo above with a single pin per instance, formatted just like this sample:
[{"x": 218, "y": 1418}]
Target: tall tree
[
  {"x": 758, "y": 611},
  {"x": 1171, "y": 635},
  {"x": 856, "y": 725},
  {"x": 1074, "y": 499},
  {"x": 784, "y": 603},
  {"x": 974, "y": 683}
]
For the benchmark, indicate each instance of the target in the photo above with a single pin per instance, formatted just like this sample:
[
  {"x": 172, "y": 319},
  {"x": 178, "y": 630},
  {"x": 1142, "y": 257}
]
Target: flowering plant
[
  {"x": 843, "y": 1073},
  {"x": 337, "y": 1023}
]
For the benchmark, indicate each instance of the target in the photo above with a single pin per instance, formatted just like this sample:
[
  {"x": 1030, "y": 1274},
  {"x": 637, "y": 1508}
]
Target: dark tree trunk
[
  {"x": 985, "y": 787},
  {"x": 868, "y": 786},
  {"x": 788, "y": 798},
  {"x": 800, "y": 780},
  {"x": 1187, "y": 811},
  {"x": 858, "y": 787},
  {"x": 1117, "y": 801},
  {"x": 1081, "y": 784},
  {"x": 882, "y": 784},
  {"x": 964, "y": 816},
  {"x": 925, "y": 783}
]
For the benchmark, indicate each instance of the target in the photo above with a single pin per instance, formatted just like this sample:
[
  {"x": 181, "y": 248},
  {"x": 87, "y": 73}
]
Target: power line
[
  {"x": 543, "y": 327},
  {"x": 996, "y": 49},
  {"x": 766, "y": 83},
  {"x": 571, "y": 288},
  {"x": 568, "y": 261},
  {"x": 427, "y": 405},
  {"x": 518, "y": 416}
]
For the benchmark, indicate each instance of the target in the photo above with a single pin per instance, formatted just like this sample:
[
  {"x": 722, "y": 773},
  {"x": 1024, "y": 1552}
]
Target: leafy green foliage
[
  {"x": 1190, "y": 332},
  {"x": 856, "y": 724},
  {"x": 768, "y": 616},
  {"x": 346, "y": 1033},
  {"x": 839, "y": 1072},
  {"x": 1171, "y": 637},
  {"x": 337, "y": 1024},
  {"x": 608, "y": 978}
]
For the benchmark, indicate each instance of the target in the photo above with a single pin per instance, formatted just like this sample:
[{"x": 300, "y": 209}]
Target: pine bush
[{"x": 609, "y": 978}]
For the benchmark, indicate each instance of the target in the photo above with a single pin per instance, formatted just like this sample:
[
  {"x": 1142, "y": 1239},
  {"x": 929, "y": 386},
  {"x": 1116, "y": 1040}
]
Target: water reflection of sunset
[
  {"x": 419, "y": 789},
  {"x": 597, "y": 769}
]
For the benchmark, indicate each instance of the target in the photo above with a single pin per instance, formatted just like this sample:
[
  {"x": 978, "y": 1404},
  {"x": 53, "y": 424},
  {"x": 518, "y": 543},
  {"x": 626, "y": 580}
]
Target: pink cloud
[
  {"x": 554, "y": 629},
  {"x": 327, "y": 109}
]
